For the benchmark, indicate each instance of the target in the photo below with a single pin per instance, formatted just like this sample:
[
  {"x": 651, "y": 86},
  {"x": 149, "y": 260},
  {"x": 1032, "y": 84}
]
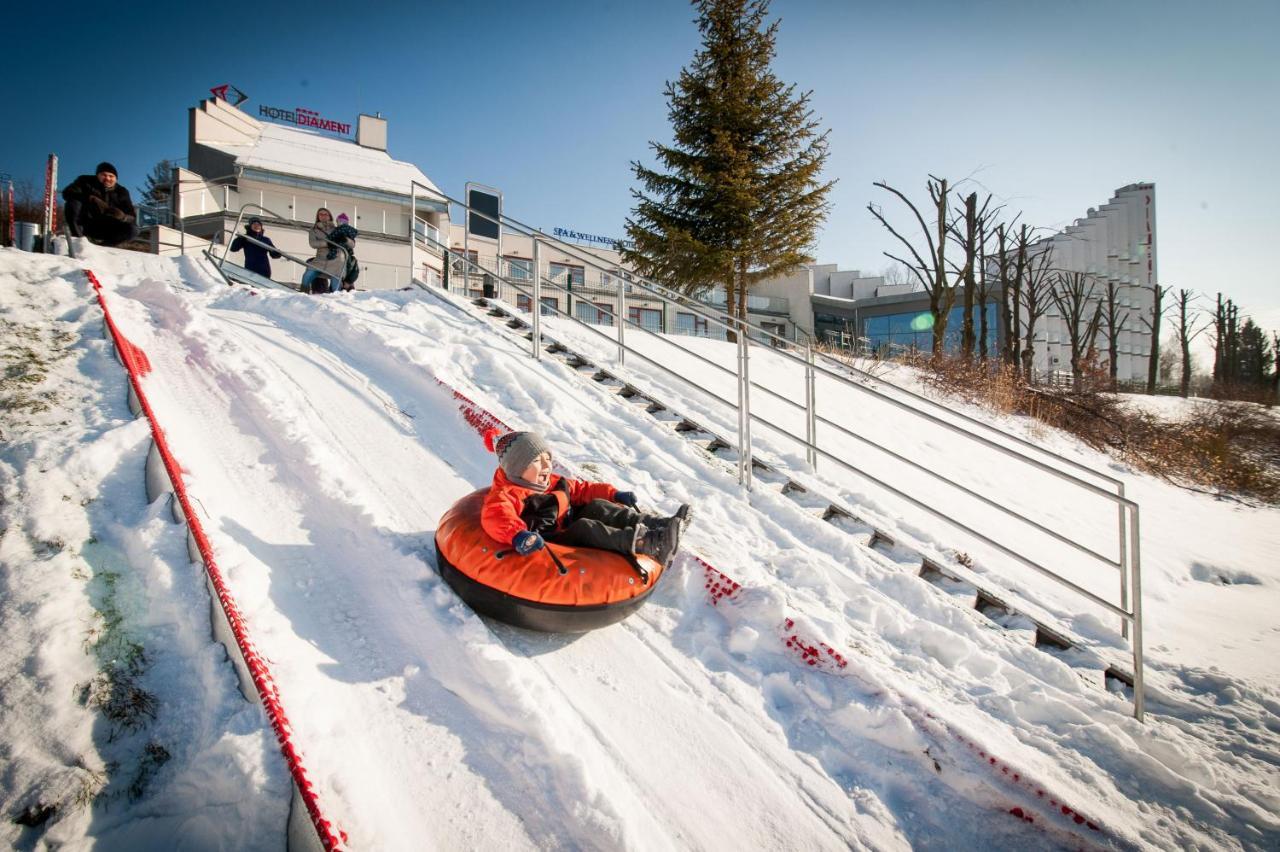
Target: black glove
[
  {"x": 98, "y": 203},
  {"x": 527, "y": 542},
  {"x": 626, "y": 498}
]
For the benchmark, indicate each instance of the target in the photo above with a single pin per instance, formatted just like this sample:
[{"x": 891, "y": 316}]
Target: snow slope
[{"x": 321, "y": 450}]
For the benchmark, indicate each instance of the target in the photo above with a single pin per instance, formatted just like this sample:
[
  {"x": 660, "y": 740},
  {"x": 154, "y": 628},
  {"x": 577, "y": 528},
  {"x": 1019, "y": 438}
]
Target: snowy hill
[{"x": 321, "y": 449}]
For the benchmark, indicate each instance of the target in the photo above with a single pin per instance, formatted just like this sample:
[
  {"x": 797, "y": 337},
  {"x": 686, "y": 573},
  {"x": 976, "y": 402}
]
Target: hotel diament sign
[{"x": 304, "y": 118}]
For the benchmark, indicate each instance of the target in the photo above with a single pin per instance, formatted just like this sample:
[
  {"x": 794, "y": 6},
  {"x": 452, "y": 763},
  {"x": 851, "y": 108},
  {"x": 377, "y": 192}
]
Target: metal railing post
[
  {"x": 746, "y": 404},
  {"x": 741, "y": 409},
  {"x": 1124, "y": 562},
  {"x": 810, "y": 407},
  {"x": 536, "y": 307},
  {"x": 620, "y": 320},
  {"x": 413, "y": 236},
  {"x": 744, "y": 409},
  {"x": 1139, "y": 690}
]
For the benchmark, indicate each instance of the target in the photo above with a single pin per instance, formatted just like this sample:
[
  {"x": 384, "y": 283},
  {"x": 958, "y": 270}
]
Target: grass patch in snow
[
  {"x": 1224, "y": 448},
  {"x": 26, "y": 354},
  {"x": 116, "y": 691}
]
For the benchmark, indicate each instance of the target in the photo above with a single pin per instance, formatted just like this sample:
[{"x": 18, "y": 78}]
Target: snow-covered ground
[{"x": 321, "y": 452}]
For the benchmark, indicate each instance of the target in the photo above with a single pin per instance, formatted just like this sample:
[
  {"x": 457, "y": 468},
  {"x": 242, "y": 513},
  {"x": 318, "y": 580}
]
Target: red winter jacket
[{"x": 503, "y": 505}]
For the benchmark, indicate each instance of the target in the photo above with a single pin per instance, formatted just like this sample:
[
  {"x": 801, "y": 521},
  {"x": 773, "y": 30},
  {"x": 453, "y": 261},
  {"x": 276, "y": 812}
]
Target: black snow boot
[
  {"x": 680, "y": 519},
  {"x": 659, "y": 541}
]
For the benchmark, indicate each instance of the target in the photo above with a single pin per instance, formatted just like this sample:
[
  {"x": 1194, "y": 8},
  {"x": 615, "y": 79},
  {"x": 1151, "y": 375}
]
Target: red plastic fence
[
  {"x": 137, "y": 365},
  {"x": 819, "y": 655}
]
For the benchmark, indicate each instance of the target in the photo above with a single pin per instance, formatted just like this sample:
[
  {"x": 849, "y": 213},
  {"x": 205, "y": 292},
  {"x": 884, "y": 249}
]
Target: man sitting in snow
[{"x": 99, "y": 208}]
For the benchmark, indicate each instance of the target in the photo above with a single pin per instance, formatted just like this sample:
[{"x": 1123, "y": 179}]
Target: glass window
[
  {"x": 462, "y": 267},
  {"x": 691, "y": 324},
  {"x": 650, "y": 318},
  {"x": 548, "y": 304},
  {"x": 563, "y": 273},
  {"x": 876, "y": 326},
  {"x": 519, "y": 268},
  {"x": 595, "y": 313},
  {"x": 901, "y": 324}
]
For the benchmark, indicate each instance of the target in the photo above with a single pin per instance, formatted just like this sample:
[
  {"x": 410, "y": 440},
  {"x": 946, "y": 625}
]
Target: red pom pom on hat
[{"x": 490, "y": 436}]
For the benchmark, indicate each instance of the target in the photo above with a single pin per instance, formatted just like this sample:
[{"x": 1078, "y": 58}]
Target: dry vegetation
[{"x": 1228, "y": 448}]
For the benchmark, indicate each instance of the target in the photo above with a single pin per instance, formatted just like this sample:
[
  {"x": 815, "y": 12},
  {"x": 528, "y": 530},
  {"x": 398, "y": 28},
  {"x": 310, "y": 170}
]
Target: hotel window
[
  {"x": 776, "y": 329},
  {"x": 459, "y": 266},
  {"x": 691, "y": 324},
  {"x": 650, "y": 318},
  {"x": 519, "y": 268},
  {"x": 548, "y": 304},
  {"x": 599, "y": 313},
  {"x": 564, "y": 273}
]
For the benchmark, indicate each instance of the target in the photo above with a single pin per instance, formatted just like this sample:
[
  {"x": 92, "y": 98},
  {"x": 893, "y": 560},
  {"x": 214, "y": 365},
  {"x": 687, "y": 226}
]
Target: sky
[{"x": 1049, "y": 107}]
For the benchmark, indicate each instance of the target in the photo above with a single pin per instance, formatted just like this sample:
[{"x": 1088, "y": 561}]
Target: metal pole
[
  {"x": 536, "y": 307},
  {"x": 1124, "y": 565},
  {"x": 1139, "y": 692},
  {"x": 413, "y": 229},
  {"x": 741, "y": 424},
  {"x": 810, "y": 407},
  {"x": 620, "y": 317},
  {"x": 745, "y": 449}
]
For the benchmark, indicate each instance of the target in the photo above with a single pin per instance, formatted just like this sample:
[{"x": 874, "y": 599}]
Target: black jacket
[
  {"x": 85, "y": 187},
  {"x": 255, "y": 256}
]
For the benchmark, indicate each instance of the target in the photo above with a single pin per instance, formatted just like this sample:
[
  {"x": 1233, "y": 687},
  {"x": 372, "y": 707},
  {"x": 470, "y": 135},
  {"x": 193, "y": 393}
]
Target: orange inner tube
[{"x": 592, "y": 577}]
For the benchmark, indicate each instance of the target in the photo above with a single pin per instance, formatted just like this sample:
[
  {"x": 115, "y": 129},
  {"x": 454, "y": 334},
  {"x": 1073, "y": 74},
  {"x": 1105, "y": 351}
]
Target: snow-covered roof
[{"x": 308, "y": 154}]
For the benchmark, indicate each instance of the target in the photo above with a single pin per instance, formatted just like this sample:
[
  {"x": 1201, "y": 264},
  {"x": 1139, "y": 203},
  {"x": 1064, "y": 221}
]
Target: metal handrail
[
  {"x": 1128, "y": 541},
  {"x": 240, "y": 216},
  {"x": 666, "y": 295},
  {"x": 811, "y": 445},
  {"x": 674, "y": 297},
  {"x": 284, "y": 254}
]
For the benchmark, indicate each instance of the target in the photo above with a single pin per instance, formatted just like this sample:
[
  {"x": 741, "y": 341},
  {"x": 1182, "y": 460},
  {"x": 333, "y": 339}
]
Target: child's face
[{"x": 538, "y": 471}]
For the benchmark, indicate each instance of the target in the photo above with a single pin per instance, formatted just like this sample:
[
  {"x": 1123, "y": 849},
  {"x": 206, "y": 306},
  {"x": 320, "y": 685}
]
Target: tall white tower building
[{"x": 1113, "y": 243}]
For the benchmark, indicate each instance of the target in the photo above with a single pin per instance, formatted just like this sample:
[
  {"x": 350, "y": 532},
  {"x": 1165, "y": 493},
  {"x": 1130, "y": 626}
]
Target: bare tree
[
  {"x": 1073, "y": 293},
  {"x": 1187, "y": 332},
  {"x": 1009, "y": 279},
  {"x": 1153, "y": 324},
  {"x": 1226, "y": 322},
  {"x": 1115, "y": 318},
  {"x": 1032, "y": 269},
  {"x": 1168, "y": 361},
  {"x": 897, "y": 274},
  {"x": 932, "y": 274},
  {"x": 967, "y": 230},
  {"x": 986, "y": 284},
  {"x": 28, "y": 201}
]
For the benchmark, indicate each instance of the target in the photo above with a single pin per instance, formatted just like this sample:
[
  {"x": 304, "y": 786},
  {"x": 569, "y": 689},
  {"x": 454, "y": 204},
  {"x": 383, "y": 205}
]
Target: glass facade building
[{"x": 914, "y": 330}]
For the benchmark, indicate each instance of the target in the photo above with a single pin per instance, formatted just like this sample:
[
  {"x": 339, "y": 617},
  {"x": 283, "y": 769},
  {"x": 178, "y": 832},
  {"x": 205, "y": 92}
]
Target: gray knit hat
[{"x": 517, "y": 450}]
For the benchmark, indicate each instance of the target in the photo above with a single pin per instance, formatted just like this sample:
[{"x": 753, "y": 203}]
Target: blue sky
[{"x": 1050, "y": 107}]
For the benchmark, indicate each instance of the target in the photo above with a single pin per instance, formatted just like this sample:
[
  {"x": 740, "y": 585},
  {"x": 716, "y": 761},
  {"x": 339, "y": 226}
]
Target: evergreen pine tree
[
  {"x": 737, "y": 197},
  {"x": 159, "y": 186},
  {"x": 1254, "y": 357}
]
